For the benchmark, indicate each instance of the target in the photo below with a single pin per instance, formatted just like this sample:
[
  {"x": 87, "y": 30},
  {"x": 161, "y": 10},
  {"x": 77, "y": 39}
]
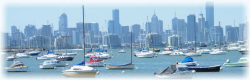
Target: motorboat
[
  {"x": 174, "y": 71},
  {"x": 89, "y": 54},
  {"x": 188, "y": 61},
  {"x": 49, "y": 64},
  {"x": 47, "y": 57},
  {"x": 242, "y": 62},
  {"x": 233, "y": 47},
  {"x": 243, "y": 50},
  {"x": 65, "y": 58},
  {"x": 177, "y": 53},
  {"x": 60, "y": 63},
  {"x": 17, "y": 66},
  {"x": 22, "y": 55},
  {"x": 120, "y": 66},
  {"x": 204, "y": 51},
  {"x": 69, "y": 53},
  {"x": 167, "y": 51},
  {"x": 34, "y": 53},
  {"x": 193, "y": 54},
  {"x": 215, "y": 68},
  {"x": 122, "y": 51},
  {"x": 145, "y": 54},
  {"x": 218, "y": 52},
  {"x": 11, "y": 57},
  {"x": 103, "y": 55},
  {"x": 80, "y": 70},
  {"x": 156, "y": 50},
  {"x": 95, "y": 62}
]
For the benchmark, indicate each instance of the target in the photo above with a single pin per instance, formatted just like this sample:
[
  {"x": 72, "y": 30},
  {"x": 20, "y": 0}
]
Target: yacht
[
  {"x": 177, "y": 53},
  {"x": 47, "y": 57},
  {"x": 80, "y": 70},
  {"x": 122, "y": 51},
  {"x": 167, "y": 51},
  {"x": 174, "y": 71},
  {"x": 17, "y": 66},
  {"x": 60, "y": 63},
  {"x": 242, "y": 62},
  {"x": 95, "y": 62},
  {"x": 204, "y": 51},
  {"x": 34, "y": 53},
  {"x": 69, "y": 53},
  {"x": 145, "y": 54},
  {"x": 218, "y": 52},
  {"x": 11, "y": 57},
  {"x": 233, "y": 47},
  {"x": 65, "y": 58},
  {"x": 193, "y": 54},
  {"x": 50, "y": 64},
  {"x": 22, "y": 55}
]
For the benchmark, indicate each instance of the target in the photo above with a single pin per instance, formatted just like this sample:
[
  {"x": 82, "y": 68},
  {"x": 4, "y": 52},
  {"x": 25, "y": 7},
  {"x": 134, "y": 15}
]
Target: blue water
[{"x": 146, "y": 66}]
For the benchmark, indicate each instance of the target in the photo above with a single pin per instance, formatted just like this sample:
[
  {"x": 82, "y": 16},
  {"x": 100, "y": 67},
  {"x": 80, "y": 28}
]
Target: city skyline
[{"x": 221, "y": 14}]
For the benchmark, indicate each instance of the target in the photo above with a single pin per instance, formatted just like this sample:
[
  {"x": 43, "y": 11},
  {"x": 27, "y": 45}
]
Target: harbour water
[{"x": 144, "y": 67}]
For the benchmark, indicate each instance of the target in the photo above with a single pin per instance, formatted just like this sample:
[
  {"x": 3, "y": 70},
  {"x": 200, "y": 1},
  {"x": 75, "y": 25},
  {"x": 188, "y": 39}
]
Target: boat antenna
[
  {"x": 131, "y": 46},
  {"x": 83, "y": 33}
]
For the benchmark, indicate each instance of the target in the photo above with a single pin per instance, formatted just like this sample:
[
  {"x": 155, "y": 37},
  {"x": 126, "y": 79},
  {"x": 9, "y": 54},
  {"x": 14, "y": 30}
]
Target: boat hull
[
  {"x": 235, "y": 64},
  {"x": 95, "y": 64},
  {"x": 50, "y": 66},
  {"x": 178, "y": 75},
  {"x": 88, "y": 74},
  {"x": 205, "y": 69},
  {"x": 128, "y": 66},
  {"x": 17, "y": 69}
]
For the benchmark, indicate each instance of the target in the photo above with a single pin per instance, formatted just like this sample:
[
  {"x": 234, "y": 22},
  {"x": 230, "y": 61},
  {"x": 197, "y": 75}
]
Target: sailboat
[
  {"x": 80, "y": 70},
  {"x": 122, "y": 51},
  {"x": 218, "y": 51},
  {"x": 65, "y": 57},
  {"x": 124, "y": 65}
]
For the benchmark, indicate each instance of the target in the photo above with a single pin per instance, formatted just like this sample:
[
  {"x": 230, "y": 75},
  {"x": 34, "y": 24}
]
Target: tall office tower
[
  {"x": 111, "y": 27},
  {"x": 79, "y": 29},
  {"x": 201, "y": 28},
  {"x": 242, "y": 31},
  {"x": 46, "y": 31},
  {"x": 136, "y": 32},
  {"x": 116, "y": 22},
  {"x": 218, "y": 33},
  {"x": 232, "y": 33},
  {"x": 154, "y": 24},
  {"x": 168, "y": 33},
  {"x": 160, "y": 24},
  {"x": 30, "y": 31},
  {"x": 125, "y": 35},
  {"x": 63, "y": 24},
  {"x": 148, "y": 27},
  {"x": 15, "y": 37},
  {"x": 210, "y": 14},
  {"x": 95, "y": 28},
  {"x": 191, "y": 27},
  {"x": 174, "y": 40}
]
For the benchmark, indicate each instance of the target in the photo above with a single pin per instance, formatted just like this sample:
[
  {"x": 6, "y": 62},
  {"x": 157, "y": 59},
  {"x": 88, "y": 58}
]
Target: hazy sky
[{"x": 22, "y": 15}]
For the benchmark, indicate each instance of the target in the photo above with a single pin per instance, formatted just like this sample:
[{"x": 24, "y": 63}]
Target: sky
[{"x": 22, "y": 15}]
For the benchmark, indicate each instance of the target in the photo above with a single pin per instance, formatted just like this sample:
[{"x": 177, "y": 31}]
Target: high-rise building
[
  {"x": 112, "y": 40},
  {"x": 136, "y": 32},
  {"x": 95, "y": 27},
  {"x": 218, "y": 34},
  {"x": 46, "y": 31},
  {"x": 153, "y": 40},
  {"x": 191, "y": 29},
  {"x": 209, "y": 14},
  {"x": 125, "y": 36},
  {"x": 201, "y": 28},
  {"x": 15, "y": 37},
  {"x": 242, "y": 31},
  {"x": 167, "y": 34},
  {"x": 6, "y": 40},
  {"x": 30, "y": 31},
  {"x": 111, "y": 27},
  {"x": 175, "y": 40},
  {"x": 148, "y": 27},
  {"x": 232, "y": 33},
  {"x": 63, "y": 24},
  {"x": 116, "y": 22},
  {"x": 154, "y": 24}
]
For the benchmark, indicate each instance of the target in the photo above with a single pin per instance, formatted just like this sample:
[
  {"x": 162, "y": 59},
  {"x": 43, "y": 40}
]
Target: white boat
[
  {"x": 120, "y": 66},
  {"x": 242, "y": 62},
  {"x": 50, "y": 64},
  {"x": 89, "y": 54},
  {"x": 233, "y": 47},
  {"x": 17, "y": 66},
  {"x": 34, "y": 53},
  {"x": 204, "y": 51},
  {"x": 122, "y": 51},
  {"x": 166, "y": 52},
  {"x": 175, "y": 71},
  {"x": 60, "y": 63},
  {"x": 103, "y": 55},
  {"x": 218, "y": 52},
  {"x": 193, "y": 54},
  {"x": 70, "y": 54},
  {"x": 80, "y": 71},
  {"x": 47, "y": 57},
  {"x": 177, "y": 53},
  {"x": 22, "y": 55},
  {"x": 95, "y": 62},
  {"x": 145, "y": 54},
  {"x": 11, "y": 57}
]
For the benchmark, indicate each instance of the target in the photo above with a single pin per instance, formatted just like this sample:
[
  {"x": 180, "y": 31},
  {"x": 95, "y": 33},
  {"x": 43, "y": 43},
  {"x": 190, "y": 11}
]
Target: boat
[
  {"x": 242, "y": 62},
  {"x": 174, "y": 71},
  {"x": 177, "y": 53},
  {"x": 64, "y": 58},
  {"x": 156, "y": 50},
  {"x": 166, "y": 52},
  {"x": 123, "y": 65},
  {"x": 95, "y": 62},
  {"x": 218, "y": 52},
  {"x": 122, "y": 51},
  {"x": 145, "y": 54},
  {"x": 60, "y": 63},
  {"x": 204, "y": 51},
  {"x": 34, "y": 53},
  {"x": 17, "y": 66},
  {"x": 193, "y": 54},
  {"x": 80, "y": 69},
  {"x": 11, "y": 57},
  {"x": 22, "y": 55},
  {"x": 233, "y": 47},
  {"x": 103, "y": 55},
  {"x": 69, "y": 53},
  {"x": 49, "y": 64},
  {"x": 215, "y": 68},
  {"x": 188, "y": 61},
  {"x": 48, "y": 56},
  {"x": 243, "y": 50}
]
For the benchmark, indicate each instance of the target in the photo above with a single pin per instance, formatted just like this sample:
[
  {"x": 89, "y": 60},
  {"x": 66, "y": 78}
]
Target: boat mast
[
  {"x": 131, "y": 47},
  {"x": 83, "y": 33},
  {"x": 194, "y": 36}
]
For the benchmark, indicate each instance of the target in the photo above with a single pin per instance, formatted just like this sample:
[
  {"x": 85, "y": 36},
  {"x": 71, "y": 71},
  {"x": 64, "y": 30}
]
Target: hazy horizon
[{"x": 22, "y": 15}]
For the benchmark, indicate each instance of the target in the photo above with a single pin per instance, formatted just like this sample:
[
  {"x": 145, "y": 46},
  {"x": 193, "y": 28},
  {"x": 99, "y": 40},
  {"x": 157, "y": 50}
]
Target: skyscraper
[
  {"x": 63, "y": 24},
  {"x": 242, "y": 31},
  {"x": 201, "y": 28},
  {"x": 116, "y": 22},
  {"x": 209, "y": 14},
  {"x": 136, "y": 31},
  {"x": 111, "y": 27},
  {"x": 30, "y": 31},
  {"x": 154, "y": 24},
  {"x": 95, "y": 27},
  {"x": 191, "y": 27},
  {"x": 125, "y": 36}
]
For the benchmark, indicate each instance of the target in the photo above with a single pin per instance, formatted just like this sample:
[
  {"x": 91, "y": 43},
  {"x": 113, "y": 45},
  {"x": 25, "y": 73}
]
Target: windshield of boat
[
  {"x": 16, "y": 64},
  {"x": 171, "y": 69}
]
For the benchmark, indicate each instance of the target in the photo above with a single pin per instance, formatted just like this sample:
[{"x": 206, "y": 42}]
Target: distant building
[
  {"x": 62, "y": 42},
  {"x": 111, "y": 29},
  {"x": 116, "y": 22},
  {"x": 218, "y": 34},
  {"x": 179, "y": 27},
  {"x": 125, "y": 36},
  {"x": 63, "y": 24},
  {"x": 15, "y": 37},
  {"x": 30, "y": 31},
  {"x": 232, "y": 33},
  {"x": 136, "y": 32},
  {"x": 191, "y": 29},
  {"x": 46, "y": 31},
  {"x": 6, "y": 39},
  {"x": 39, "y": 42},
  {"x": 153, "y": 40},
  {"x": 95, "y": 27},
  {"x": 202, "y": 34},
  {"x": 112, "y": 40},
  {"x": 209, "y": 14},
  {"x": 167, "y": 34},
  {"x": 242, "y": 31},
  {"x": 174, "y": 40}
]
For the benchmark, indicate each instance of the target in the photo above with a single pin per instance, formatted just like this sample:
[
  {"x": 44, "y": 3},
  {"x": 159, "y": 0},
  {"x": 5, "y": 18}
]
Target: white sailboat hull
[{"x": 129, "y": 66}]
